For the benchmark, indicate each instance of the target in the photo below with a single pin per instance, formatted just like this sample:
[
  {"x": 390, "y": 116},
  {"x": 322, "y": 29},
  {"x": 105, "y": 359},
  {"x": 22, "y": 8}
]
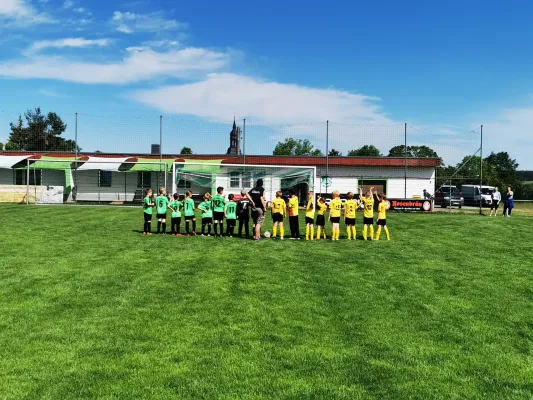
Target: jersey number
[
  {"x": 188, "y": 207},
  {"x": 160, "y": 203},
  {"x": 231, "y": 209},
  {"x": 369, "y": 207}
]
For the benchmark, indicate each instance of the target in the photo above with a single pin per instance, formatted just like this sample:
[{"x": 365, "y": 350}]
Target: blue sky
[{"x": 445, "y": 69}]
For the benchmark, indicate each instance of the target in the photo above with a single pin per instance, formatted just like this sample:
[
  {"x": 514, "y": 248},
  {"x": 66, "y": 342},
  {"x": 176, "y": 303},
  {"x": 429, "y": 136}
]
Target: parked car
[
  {"x": 473, "y": 194},
  {"x": 448, "y": 196}
]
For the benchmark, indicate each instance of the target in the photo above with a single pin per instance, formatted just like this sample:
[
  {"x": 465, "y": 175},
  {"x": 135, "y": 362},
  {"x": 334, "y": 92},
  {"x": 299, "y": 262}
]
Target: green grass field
[{"x": 90, "y": 308}]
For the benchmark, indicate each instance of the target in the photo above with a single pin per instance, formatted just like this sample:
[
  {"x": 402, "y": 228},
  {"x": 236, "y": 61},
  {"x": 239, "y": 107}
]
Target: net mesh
[{"x": 207, "y": 176}]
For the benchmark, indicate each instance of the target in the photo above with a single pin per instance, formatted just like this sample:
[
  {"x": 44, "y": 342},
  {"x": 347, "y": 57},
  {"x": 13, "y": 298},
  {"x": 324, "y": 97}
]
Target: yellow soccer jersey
[
  {"x": 310, "y": 209},
  {"x": 349, "y": 209},
  {"x": 369, "y": 207},
  {"x": 321, "y": 208},
  {"x": 382, "y": 210},
  {"x": 293, "y": 206},
  {"x": 335, "y": 208},
  {"x": 278, "y": 205}
]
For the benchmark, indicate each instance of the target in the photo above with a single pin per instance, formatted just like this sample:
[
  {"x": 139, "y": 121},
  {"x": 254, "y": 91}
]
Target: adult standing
[
  {"x": 496, "y": 197},
  {"x": 509, "y": 202},
  {"x": 259, "y": 207}
]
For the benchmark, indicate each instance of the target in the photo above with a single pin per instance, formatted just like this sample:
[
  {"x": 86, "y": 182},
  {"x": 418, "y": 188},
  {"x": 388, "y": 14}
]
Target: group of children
[
  {"x": 279, "y": 210},
  {"x": 215, "y": 209}
]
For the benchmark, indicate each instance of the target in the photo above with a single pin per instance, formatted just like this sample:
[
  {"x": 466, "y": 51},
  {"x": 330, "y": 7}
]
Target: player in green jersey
[
  {"x": 175, "y": 222},
  {"x": 230, "y": 212},
  {"x": 161, "y": 203},
  {"x": 147, "y": 211},
  {"x": 218, "y": 210},
  {"x": 188, "y": 211},
  {"x": 207, "y": 214}
]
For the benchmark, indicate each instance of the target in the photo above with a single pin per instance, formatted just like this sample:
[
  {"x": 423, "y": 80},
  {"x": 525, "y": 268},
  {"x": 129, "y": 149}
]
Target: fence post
[
  {"x": 327, "y": 154},
  {"x": 244, "y": 142},
  {"x": 405, "y": 163},
  {"x": 160, "y": 148},
  {"x": 74, "y": 190},
  {"x": 27, "y": 181},
  {"x": 481, "y": 174}
]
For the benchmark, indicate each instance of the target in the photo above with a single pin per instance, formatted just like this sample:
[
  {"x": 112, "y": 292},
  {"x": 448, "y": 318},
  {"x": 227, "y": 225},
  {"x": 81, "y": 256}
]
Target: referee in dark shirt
[{"x": 258, "y": 207}]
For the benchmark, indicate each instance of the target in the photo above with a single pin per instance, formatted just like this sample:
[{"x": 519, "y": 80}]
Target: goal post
[
  {"x": 97, "y": 180},
  {"x": 201, "y": 177}
]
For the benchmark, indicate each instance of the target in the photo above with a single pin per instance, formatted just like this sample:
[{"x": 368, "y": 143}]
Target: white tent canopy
[
  {"x": 103, "y": 163},
  {"x": 9, "y": 161}
]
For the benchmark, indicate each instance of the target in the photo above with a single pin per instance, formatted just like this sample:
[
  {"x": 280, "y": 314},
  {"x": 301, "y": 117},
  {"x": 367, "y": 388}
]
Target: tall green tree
[
  {"x": 39, "y": 132},
  {"x": 413, "y": 151},
  {"x": 505, "y": 168},
  {"x": 365, "y": 151},
  {"x": 186, "y": 150},
  {"x": 334, "y": 153},
  {"x": 1, "y": 146},
  {"x": 296, "y": 147}
]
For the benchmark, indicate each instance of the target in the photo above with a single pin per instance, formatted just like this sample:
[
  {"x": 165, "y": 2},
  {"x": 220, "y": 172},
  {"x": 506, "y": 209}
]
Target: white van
[{"x": 473, "y": 194}]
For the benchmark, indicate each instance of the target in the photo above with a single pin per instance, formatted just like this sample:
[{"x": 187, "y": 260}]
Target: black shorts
[
  {"x": 218, "y": 215},
  {"x": 231, "y": 222},
  {"x": 277, "y": 217},
  {"x": 309, "y": 221},
  {"x": 161, "y": 216},
  {"x": 176, "y": 220},
  {"x": 189, "y": 217},
  {"x": 207, "y": 221},
  {"x": 320, "y": 220},
  {"x": 382, "y": 222},
  {"x": 368, "y": 221},
  {"x": 147, "y": 217},
  {"x": 335, "y": 220},
  {"x": 494, "y": 205},
  {"x": 349, "y": 221}
]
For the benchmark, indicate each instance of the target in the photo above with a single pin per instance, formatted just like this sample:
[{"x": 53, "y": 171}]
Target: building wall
[{"x": 6, "y": 176}]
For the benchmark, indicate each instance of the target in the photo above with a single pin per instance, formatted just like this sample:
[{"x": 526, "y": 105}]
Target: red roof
[{"x": 265, "y": 160}]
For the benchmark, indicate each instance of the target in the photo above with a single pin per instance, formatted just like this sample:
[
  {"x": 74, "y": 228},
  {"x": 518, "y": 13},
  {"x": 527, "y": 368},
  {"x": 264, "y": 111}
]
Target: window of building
[
  {"x": 183, "y": 184},
  {"x": 105, "y": 178},
  {"x": 144, "y": 179},
  {"x": 35, "y": 177},
  {"x": 235, "y": 180},
  {"x": 247, "y": 180}
]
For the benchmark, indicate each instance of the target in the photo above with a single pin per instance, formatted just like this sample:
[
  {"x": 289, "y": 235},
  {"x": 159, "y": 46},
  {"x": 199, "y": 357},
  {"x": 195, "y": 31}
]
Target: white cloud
[
  {"x": 221, "y": 95},
  {"x": 510, "y": 130},
  {"x": 68, "y": 42},
  {"x": 52, "y": 93},
  {"x": 68, "y": 4},
  {"x": 127, "y": 22},
  {"x": 79, "y": 10},
  {"x": 21, "y": 13},
  {"x": 140, "y": 64}
]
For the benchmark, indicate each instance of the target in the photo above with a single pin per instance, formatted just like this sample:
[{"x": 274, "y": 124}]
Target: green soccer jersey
[
  {"x": 218, "y": 203},
  {"x": 207, "y": 211},
  {"x": 188, "y": 207},
  {"x": 176, "y": 207},
  {"x": 231, "y": 210},
  {"x": 147, "y": 205},
  {"x": 162, "y": 204}
]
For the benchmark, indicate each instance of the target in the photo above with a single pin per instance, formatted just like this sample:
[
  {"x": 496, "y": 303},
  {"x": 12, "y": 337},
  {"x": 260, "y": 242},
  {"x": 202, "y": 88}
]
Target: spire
[{"x": 234, "y": 124}]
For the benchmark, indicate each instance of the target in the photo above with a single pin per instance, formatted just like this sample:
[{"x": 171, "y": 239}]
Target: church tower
[{"x": 234, "y": 140}]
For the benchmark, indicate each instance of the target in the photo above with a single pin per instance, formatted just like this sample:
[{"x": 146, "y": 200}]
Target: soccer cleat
[
  {"x": 188, "y": 235},
  {"x": 194, "y": 233},
  {"x": 144, "y": 233},
  {"x": 281, "y": 238}
]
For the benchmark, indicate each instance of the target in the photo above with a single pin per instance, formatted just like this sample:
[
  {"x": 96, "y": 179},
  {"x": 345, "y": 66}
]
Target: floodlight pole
[
  {"x": 76, "y": 136},
  {"x": 327, "y": 154},
  {"x": 481, "y": 174},
  {"x": 244, "y": 142},
  {"x": 160, "y": 146},
  {"x": 28, "y": 180}
]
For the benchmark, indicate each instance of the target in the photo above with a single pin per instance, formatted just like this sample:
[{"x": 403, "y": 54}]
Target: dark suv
[{"x": 448, "y": 196}]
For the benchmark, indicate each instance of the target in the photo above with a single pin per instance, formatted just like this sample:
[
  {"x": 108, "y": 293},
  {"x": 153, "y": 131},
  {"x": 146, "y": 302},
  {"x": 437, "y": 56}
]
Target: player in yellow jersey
[
  {"x": 368, "y": 214},
  {"x": 382, "y": 215},
  {"x": 310, "y": 217},
  {"x": 335, "y": 215},
  {"x": 320, "y": 218},
  {"x": 279, "y": 208},
  {"x": 350, "y": 207}
]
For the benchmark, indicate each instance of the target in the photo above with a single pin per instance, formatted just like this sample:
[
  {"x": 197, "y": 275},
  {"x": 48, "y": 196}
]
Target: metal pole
[
  {"x": 405, "y": 163},
  {"x": 76, "y": 136},
  {"x": 244, "y": 142},
  {"x": 27, "y": 181},
  {"x": 327, "y": 154},
  {"x": 160, "y": 147},
  {"x": 481, "y": 174}
]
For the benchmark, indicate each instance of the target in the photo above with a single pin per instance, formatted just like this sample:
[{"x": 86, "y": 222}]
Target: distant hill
[{"x": 525, "y": 176}]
